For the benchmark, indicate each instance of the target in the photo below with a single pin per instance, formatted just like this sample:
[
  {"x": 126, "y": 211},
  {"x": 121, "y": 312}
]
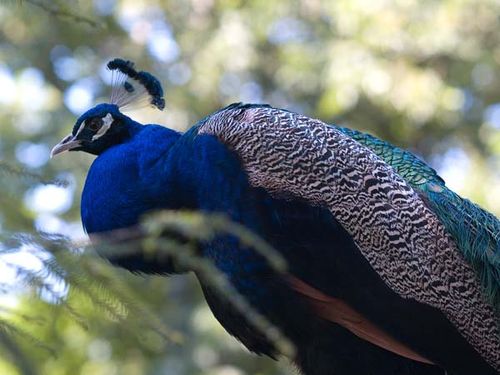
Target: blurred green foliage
[{"x": 421, "y": 74}]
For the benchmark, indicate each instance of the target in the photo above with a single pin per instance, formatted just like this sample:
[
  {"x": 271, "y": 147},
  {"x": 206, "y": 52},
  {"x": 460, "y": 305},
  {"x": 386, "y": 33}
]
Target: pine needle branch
[
  {"x": 19, "y": 359},
  {"x": 209, "y": 273},
  {"x": 23, "y": 174},
  {"x": 58, "y": 11},
  {"x": 10, "y": 329},
  {"x": 204, "y": 227}
]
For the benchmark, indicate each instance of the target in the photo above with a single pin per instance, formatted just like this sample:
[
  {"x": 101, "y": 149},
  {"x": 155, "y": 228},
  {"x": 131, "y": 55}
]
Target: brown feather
[{"x": 338, "y": 311}]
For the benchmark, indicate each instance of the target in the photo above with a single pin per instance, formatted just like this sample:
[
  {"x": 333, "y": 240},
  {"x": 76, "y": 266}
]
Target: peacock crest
[{"x": 132, "y": 89}]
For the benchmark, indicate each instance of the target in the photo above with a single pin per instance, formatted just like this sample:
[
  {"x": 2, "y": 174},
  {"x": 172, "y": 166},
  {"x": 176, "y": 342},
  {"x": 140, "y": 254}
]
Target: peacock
[{"x": 388, "y": 270}]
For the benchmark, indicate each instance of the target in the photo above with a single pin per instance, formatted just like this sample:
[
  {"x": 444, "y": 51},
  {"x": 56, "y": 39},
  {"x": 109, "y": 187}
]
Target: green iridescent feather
[{"x": 475, "y": 231}]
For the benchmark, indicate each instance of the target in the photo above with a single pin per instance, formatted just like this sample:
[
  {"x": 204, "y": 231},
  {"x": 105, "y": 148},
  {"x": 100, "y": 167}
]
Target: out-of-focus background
[{"x": 422, "y": 74}]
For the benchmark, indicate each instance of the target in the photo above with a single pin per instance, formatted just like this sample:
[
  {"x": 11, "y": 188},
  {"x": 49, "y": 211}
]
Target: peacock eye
[{"x": 95, "y": 123}]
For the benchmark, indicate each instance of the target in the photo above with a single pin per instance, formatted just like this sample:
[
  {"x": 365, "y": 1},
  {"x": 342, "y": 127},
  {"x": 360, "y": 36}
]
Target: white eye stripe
[
  {"x": 82, "y": 125},
  {"x": 106, "y": 124}
]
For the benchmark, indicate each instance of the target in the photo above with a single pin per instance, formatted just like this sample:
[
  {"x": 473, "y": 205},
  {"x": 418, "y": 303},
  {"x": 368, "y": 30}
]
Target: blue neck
[{"x": 122, "y": 183}]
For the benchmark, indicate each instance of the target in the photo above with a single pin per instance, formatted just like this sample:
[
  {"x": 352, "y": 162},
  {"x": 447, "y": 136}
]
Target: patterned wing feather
[
  {"x": 475, "y": 231},
  {"x": 404, "y": 241},
  {"x": 408, "y": 166}
]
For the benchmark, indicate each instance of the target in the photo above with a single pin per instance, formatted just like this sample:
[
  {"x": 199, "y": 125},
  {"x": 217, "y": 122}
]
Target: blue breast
[{"x": 122, "y": 184}]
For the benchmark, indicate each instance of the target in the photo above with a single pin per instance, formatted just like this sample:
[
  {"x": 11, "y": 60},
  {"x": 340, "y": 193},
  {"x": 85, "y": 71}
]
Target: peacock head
[{"x": 105, "y": 124}]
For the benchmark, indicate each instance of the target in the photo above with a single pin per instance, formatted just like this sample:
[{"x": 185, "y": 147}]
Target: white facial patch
[
  {"x": 82, "y": 125},
  {"x": 106, "y": 124}
]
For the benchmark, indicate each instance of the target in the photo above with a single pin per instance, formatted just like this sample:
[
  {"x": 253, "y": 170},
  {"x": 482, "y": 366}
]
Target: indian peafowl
[{"x": 389, "y": 271}]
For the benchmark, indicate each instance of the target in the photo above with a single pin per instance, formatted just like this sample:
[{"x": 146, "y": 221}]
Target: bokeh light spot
[{"x": 49, "y": 198}]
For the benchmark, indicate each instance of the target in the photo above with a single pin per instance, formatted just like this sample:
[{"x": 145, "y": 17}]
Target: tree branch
[{"x": 57, "y": 11}]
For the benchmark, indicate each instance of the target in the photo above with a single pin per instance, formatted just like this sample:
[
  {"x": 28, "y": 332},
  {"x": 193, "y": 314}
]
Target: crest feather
[{"x": 132, "y": 88}]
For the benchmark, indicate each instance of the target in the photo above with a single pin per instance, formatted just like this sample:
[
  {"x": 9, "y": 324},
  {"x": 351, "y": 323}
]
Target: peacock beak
[{"x": 68, "y": 143}]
